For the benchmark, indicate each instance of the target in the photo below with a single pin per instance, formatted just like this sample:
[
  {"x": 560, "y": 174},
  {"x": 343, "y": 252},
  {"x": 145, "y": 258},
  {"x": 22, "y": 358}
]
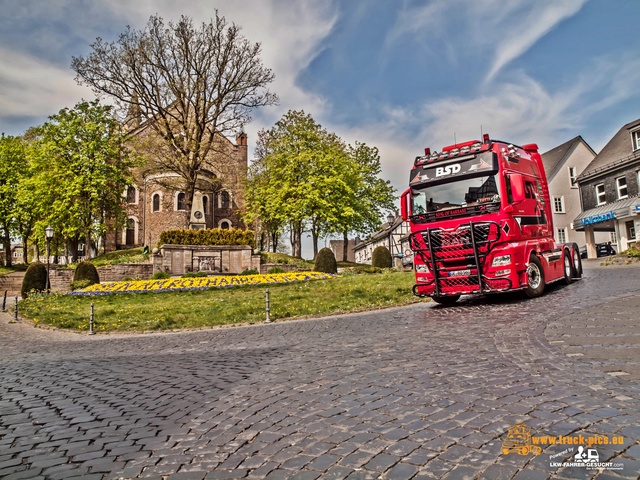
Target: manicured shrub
[
  {"x": 326, "y": 262},
  {"x": 160, "y": 276},
  {"x": 35, "y": 279},
  {"x": 275, "y": 270},
  {"x": 211, "y": 236},
  {"x": 250, "y": 271},
  {"x": 86, "y": 271},
  {"x": 381, "y": 258},
  {"x": 79, "y": 285}
]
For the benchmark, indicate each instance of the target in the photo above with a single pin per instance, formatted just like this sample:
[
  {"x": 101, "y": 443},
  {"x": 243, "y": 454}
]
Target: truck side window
[
  {"x": 507, "y": 185},
  {"x": 529, "y": 191}
]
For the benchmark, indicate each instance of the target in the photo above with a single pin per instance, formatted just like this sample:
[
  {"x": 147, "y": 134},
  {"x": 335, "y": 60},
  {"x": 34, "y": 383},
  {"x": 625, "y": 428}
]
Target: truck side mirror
[
  {"x": 517, "y": 187},
  {"x": 404, "y": 204}
]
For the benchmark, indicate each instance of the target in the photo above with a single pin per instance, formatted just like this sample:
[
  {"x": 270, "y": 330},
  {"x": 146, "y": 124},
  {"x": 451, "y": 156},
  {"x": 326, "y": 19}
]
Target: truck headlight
[{"x": 501, "y": 261}]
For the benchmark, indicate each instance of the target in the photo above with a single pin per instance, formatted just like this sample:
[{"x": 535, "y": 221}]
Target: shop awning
[{"x": 620, "y": 209}]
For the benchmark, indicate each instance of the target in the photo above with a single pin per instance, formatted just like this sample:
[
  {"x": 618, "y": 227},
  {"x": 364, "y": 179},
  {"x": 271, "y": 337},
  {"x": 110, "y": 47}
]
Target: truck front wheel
[
  {"x": 535, "y": 278},
  {"x": 445, "y": 300}
]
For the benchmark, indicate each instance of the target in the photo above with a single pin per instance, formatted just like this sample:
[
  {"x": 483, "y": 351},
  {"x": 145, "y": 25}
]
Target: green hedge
[{"x": 213, "y": 236}]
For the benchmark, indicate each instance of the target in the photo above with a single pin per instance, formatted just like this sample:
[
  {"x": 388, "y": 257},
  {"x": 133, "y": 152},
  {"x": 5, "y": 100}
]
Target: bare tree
[{"x": 190, "y": 84}]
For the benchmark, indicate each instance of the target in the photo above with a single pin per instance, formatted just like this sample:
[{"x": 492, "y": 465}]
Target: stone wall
[
  {"x": 61, "y": 278},
  {"x": 180, "y": 259}
]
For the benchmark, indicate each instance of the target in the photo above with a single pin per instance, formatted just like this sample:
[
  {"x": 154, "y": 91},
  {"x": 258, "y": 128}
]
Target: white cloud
[
  {"x": 503, "y": 29},
  {"x": 31, "y": 87},
  {"x": 520, "y": 32},
  {"x": 291, "y": 35}
]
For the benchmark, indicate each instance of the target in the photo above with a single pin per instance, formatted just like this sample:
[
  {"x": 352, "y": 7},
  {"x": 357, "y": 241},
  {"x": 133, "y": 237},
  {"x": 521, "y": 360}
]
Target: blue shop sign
[
  {"x": 598, "y": 218},
  {"x": 637, "y": 209}
]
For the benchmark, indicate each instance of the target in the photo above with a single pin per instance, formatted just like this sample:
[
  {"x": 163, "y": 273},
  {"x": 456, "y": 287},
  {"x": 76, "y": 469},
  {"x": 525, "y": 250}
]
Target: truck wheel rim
[
  {"x": 567, "y": 266},
  {"x": 576, "y": 260},
  {"x": 534, "y": 276}
]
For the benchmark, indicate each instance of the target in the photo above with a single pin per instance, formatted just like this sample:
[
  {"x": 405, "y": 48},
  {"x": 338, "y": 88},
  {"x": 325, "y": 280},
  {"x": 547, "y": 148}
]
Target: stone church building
[{"x": 156, "y": 201}]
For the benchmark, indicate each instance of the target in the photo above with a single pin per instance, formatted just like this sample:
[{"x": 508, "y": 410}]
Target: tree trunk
[
  {"x": 345, "y": 245},
  {"x": 296, "y": 239},
  {"x": 6, "y": 240},
  {"x": 25, "y": 254},
  {"x": 87, "y": 248},
  {"x": 73, "y": 246},
  {"x": 314, "y": 238}
]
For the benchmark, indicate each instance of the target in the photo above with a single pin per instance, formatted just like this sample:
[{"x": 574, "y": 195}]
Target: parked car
[
  {"x": 605, "y": 249},
  {"x": 602, "y": 250}
]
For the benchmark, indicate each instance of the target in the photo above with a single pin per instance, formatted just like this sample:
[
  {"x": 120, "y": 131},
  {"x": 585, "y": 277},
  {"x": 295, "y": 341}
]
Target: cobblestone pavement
[{"x": 415, "y": 392}]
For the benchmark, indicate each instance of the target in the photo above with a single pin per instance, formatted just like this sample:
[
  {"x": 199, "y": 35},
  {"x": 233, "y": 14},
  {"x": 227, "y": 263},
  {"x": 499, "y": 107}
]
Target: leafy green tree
[
  {"x": 81, "y": 169},
  {"x": 370, "y": 194},
  {"x": 195, "y": 82},
  {"x": 307, "y": 178},
  {"x": 296, "y": 180},
  {"x": 266, "y": 221},
  {"x": 13, "y": 166}
]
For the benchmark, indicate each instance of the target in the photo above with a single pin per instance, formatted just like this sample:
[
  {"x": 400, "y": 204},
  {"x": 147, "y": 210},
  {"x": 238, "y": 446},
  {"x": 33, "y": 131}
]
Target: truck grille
[{"x": 464, "y": 248}]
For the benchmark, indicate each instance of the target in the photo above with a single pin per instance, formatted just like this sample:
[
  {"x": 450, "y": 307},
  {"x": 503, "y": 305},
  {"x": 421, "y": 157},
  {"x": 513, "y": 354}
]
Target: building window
[
  {"x": 621, "y": 186},
  {"x": 635, "y": 140},
  {"x": 573, "y": 176},
  {"x": 601, "y": 196},
  {"x": 205, "y": 204},
  {"x": 180, "y": 201},
  {"x": 156, "y": 202},
  {"x": 225, "y": 200},
  {"x": 558, "y": 204},
  {"x": 614, "y": 239},
  {"x": 224, "y": 225},
  {"x": 131, "y": 195},
  {"x": 130, "y": 234},
  {"x": 562, "y": 235},
  {"x": 631, "y": 230}
]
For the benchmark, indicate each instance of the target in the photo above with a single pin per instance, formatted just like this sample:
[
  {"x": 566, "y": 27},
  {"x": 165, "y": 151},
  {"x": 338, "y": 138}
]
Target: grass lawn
[
  {"x": 20, "y": 267},
  {"x": 238, "y": 305}
]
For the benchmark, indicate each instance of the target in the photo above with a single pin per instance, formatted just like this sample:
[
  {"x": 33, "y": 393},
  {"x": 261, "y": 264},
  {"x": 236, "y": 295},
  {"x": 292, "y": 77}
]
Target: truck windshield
[{"x": 456, "y": 195}]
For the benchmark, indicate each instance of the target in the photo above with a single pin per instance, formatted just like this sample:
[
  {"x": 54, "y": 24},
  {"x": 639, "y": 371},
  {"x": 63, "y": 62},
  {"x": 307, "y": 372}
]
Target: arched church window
[
  {"x": 156, "y": 202},
  {"x": 130, "y": 236},
  {"x": 180, "y": 201},
  {"x": 131, "y": 195},
  {"x": 225, "y": 199}
]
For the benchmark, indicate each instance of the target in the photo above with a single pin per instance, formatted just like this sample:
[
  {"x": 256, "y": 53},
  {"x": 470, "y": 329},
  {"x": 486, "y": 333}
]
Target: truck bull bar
[{"x": 456, "y": 257}]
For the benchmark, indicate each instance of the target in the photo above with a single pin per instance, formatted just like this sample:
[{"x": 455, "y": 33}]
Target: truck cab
[{"x": 481, "y": 222}]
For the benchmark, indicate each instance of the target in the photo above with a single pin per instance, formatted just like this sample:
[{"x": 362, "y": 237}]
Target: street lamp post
[{"x": 48, "y": 232}]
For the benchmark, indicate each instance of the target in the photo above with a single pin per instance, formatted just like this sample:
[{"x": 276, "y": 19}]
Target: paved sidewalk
[{"x": 419, "y": 392}]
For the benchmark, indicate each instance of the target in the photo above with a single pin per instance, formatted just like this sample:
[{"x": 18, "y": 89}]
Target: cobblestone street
[{"x": 414, "y": 392}]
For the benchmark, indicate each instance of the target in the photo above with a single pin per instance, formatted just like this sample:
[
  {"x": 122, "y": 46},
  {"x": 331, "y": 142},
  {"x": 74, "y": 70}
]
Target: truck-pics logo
[
  {"x": 519, "y": 441},
  {"x": 448, "y": 170}
]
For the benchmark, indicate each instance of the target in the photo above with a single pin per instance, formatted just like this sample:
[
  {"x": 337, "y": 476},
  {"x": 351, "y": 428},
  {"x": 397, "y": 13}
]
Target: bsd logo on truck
[{"x": 448, "y": 170}]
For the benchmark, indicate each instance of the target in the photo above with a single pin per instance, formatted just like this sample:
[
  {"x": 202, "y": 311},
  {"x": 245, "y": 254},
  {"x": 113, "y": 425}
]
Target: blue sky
[{"x": 401, "y": 75}]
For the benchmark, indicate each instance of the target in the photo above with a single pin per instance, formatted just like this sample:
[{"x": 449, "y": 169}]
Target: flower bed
[{"x": 197, "y": 283}]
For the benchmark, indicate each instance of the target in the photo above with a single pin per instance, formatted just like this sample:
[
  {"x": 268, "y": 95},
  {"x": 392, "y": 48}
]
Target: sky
[{"x": 400, "y": 75}]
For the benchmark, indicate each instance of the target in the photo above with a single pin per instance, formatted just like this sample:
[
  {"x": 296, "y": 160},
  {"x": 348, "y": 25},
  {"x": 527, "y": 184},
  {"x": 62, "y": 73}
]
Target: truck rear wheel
[
  {"x": 535, "y": 278},
  {"x": 567, "y": 263},
  {"x": 445, "y": 300},
  {"x": 577, "y": 263}
]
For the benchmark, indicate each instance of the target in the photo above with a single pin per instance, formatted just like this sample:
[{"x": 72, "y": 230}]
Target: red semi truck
[{"x": 481, "y": 222}]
